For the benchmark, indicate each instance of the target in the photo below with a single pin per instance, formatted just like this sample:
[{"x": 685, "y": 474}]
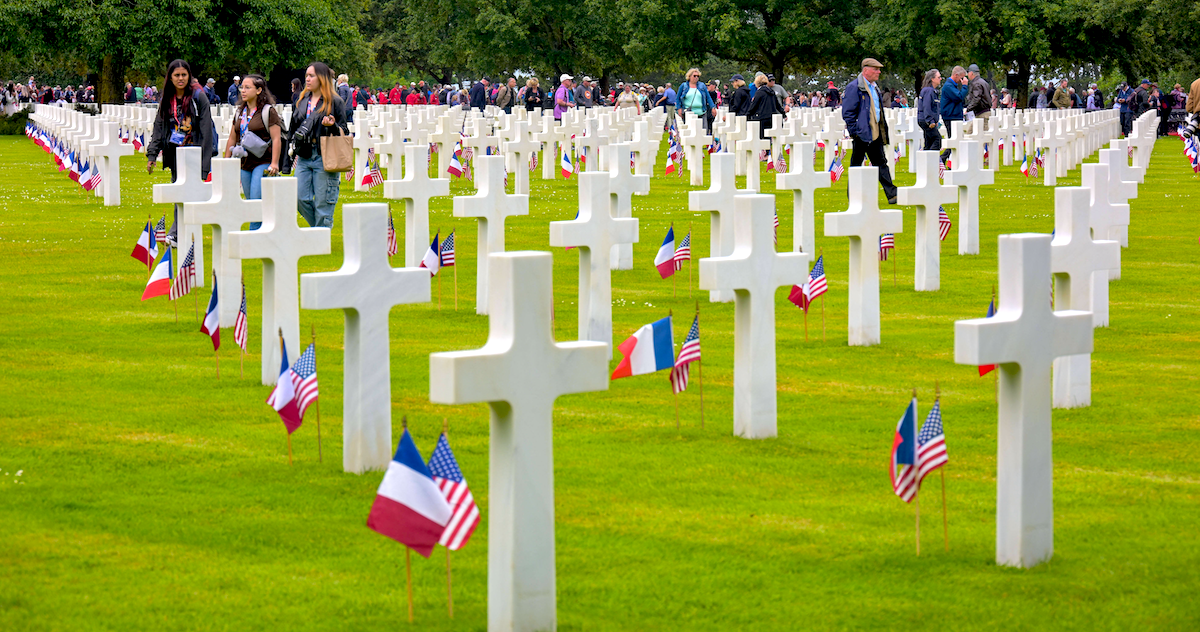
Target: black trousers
[
  {"x": 874, "y": 151},
  {"x": 933, "y": 138},
  {"x": 1126, "y": 123}
]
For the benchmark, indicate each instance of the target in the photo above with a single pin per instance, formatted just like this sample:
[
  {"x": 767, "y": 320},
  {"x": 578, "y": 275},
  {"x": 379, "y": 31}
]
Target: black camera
[{"x": 1189, "y": 126}]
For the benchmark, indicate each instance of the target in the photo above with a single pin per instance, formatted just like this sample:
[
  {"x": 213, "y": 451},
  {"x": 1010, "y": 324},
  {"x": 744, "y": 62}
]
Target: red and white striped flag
[
  {"x": 931, "y": 444},
  {"x": 688, "y": 353},
  {"x": 943, "y": 223},
  {"x": 886, "y": 243},
  {"x": 683, "y": 252},
  {"x": 187, "y": 276},
  {"x": 304, "y": 379},
  {"x": 449, "y": 479},
  {"x": 240, "y": 325},
  {"x": 393, "y": 248}
]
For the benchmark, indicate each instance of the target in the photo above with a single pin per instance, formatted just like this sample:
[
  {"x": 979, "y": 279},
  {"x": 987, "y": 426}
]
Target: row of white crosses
[{"x": 94, "y": 137}]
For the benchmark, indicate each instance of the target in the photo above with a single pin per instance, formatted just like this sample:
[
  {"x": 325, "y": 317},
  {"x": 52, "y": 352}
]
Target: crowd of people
[{"x": 14, "y": 95}]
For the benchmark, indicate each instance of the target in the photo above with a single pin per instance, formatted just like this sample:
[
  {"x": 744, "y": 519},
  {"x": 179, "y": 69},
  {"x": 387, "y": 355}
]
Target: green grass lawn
[{"x": 138, "y": 491}]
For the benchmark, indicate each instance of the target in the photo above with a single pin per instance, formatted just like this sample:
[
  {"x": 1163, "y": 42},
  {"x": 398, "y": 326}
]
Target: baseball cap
[
  {"x": 564, "y": 77},
  {"x": 770, "y": 77},
  {"x": 1145, "y": 82},
  {"x": 738, "y": 78},
  {"x": 237, "y": 78},
  {"x": 587, "y": 78},
  {"x": 871, "y": 61},
  {"x": 832, "y": 84},
  {"x": 973, "y": 68},
  {"x": 211, "y": 80}
]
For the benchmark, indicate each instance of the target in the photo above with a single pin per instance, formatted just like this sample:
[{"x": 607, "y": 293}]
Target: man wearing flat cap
[
  {"x": 862, "y": 109},
  {"x": 979, "y": 94}
]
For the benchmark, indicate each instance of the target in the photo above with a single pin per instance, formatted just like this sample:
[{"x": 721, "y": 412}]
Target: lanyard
[{"x": 246, "y": 119}]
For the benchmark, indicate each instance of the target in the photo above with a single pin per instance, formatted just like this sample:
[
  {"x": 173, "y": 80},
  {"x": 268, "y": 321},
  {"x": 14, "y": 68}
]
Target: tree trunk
[
  {"x": 1022, "y": 67},
  {"x": 112, "y": 80}
]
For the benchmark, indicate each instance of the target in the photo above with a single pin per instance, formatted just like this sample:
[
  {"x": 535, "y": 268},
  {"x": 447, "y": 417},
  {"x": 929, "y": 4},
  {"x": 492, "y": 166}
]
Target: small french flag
[
  {"x": 665, "y": 259},
  {"x": 432, "y": 259},
  {"x": 650, "y": 349},
  {"x": 212, "y": 316},
  {"x": 161, "y": 279},
  {"x": 567, "y": 167},
  {"x": 409, "y": 508}
]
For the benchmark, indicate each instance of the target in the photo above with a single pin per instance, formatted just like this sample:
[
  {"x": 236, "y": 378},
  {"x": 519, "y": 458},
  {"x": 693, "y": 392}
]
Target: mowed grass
[{"x": 152, "y": 495}]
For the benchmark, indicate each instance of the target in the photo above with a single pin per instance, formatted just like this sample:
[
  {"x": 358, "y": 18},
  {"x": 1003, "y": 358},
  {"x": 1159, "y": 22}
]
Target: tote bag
[{"x": 337, "y": 152}]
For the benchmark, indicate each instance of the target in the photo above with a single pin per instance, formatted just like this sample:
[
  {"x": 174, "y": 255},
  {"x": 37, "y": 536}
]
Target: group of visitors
[
  {"x": 14, "y": 94},
  {"x": 184, "y": 119}
]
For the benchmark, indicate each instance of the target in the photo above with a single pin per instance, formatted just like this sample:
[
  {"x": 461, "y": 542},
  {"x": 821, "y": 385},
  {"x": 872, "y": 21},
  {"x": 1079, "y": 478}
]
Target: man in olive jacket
[
  {"x": 1062, "y": 98},
  {"x": 862, "y": 110}
]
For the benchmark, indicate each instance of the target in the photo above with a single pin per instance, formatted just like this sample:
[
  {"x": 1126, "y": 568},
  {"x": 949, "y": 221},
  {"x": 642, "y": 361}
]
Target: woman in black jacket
[
  {"x": 762, "y": 107},
  {"x": 182, "y": 120},
  {"x": 317, "y": 112},
  {"x": 739, "y": 103},
  {"x": 533, "y": 95}
]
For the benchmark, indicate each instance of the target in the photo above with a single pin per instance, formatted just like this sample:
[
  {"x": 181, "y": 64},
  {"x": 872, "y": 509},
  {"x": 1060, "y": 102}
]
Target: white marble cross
[
  {"x": 188, "y": 187},
  {"x": 595, "y": 232},
  {"x": 646, "y": 148},
  {"x": 750, "y": 149},
  {"x": 444, "y": 136},
  {"x": 1080, "y": 266},
  {"x": 623, "y": 185},
  {"x": 1023, "y": 338},
  {"x": 226, "y": 211},
  {"x": 694, "y": 142},
  {"x": 753, "y": 271},
  {"x": 1050, "y": 143},
  {"x": 108, "y": 152},
  {"x": 803, "y": 179},
  {"x": 968, "y": 175},
  {"x": 864, "y": 223},
  {"x": 718, "y": 200},
  {"x": 365, "y": 288},
  {"x": 280, "y": 243},
  {"x": 1108, "y": 220},
  {"x": 491, "y": 204},
  {"x": 521, "y": 150},
  {"x": 1120, "y": 190},
  {"x": 519, "y": 373},
  {"x": 928, "y": 195},
  {"x": 416, "y": 189}
]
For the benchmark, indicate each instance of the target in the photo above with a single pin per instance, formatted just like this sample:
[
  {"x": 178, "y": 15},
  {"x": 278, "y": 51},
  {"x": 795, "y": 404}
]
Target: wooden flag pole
[
  {"x": 195, "y": 295},
  {"x": 408, "y": 551},
  {"x": 149, "y": 261},
  {"x": 917, "y": 497},
  {"x": 805, "y": 323},
  {"x": 893, "y": 267},
  {"x": 700, "y": 373},
  {"x": 937, "y": 389},
  {"x": 320, "y": 458},
  {"x": 449, "y": 585},
  {"x": 821, "y": 253},
  {"x": 289, "y": 434},
  {"x": 408, "y": 580}
]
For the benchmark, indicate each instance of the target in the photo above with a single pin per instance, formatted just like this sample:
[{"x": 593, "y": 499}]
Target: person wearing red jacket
[
  {"x": 382, "y": 97},
  {"x": 415, "y": 98}
]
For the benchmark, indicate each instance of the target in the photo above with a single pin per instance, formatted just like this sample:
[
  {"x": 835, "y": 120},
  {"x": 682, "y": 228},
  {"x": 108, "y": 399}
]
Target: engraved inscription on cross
[
  {"x": 519, "y": 373},
  {"x": 1023, "y": 338},
  {"x": 492, "y": 205},
  {"x": 280, "y": 243},
  {"x": 365, "y": 288}
]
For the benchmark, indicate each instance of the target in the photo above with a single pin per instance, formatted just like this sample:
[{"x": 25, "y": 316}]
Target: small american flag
[
  {"x": 533, "y": 162},
  {"x": 776, "y": 223},
  {"x": 160, "y": 230},
  {"x": 688, "y": 353},
  {"x": 187, "y": 275},
  {"x": 683, "y": 252},
  {"x": 449, "y": 479},
  {"x": 931, "y": 444},
  {"x": 815, "y": 286},
  {"x": 349, "y": 175},
  {"x": 393, "y": 248},
  {"x": 943, "y": 223},
  {"x": 1131, "y": 151},
  {"x": 781, "y": 164},
  {"x": 447, "y": 251},
  {"x": 941, "y": 170},
  {"x": 887, "y": 242},
  {"x": 239, "y": 326},
  {"x": 836, "y": 169},
  {"x": 304, "y": 378}
]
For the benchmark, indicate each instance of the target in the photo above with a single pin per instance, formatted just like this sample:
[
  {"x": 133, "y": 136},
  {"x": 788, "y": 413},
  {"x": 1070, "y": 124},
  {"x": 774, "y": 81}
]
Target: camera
[{"x": 1189, "y": 126}]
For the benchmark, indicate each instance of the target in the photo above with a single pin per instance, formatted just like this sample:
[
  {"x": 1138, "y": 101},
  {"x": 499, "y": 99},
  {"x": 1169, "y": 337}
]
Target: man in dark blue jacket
[
  {"x": 862, "y": 110},
  {"x": 954, "y": 93},
  {"x": 479, "y": 94}
]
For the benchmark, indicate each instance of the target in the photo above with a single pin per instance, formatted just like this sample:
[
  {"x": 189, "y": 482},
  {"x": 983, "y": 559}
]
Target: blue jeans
[
  {"x": 318, "y": 191},
  {"x": 252, "y": 187}
]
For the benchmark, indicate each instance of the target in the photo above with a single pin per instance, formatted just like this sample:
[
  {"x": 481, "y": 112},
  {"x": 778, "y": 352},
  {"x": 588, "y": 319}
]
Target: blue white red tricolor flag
[
  {"x": 984, "y": 369},
  {"x": 665, "y": 259},
  {"x": 567, "y": 167},
  {"x": 453, "y": 485},
  {"x": 283, "y": 396},
  {"x": 836, "y": 169},
  {"x": 211, "y": 324},
  {"x": 649, "y": 349},
  {"x": 409, "y": 508},
  {"x": 432, "y": 260},
  {"x": 161, "y": 278},
  {"x": 141, "y": 250},
  {"x": 904, "y": 454}
]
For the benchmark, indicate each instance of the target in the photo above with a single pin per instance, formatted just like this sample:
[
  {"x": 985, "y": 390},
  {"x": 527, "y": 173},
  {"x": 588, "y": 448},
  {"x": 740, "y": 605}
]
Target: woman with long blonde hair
[{"x": 315, "y": 113}]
